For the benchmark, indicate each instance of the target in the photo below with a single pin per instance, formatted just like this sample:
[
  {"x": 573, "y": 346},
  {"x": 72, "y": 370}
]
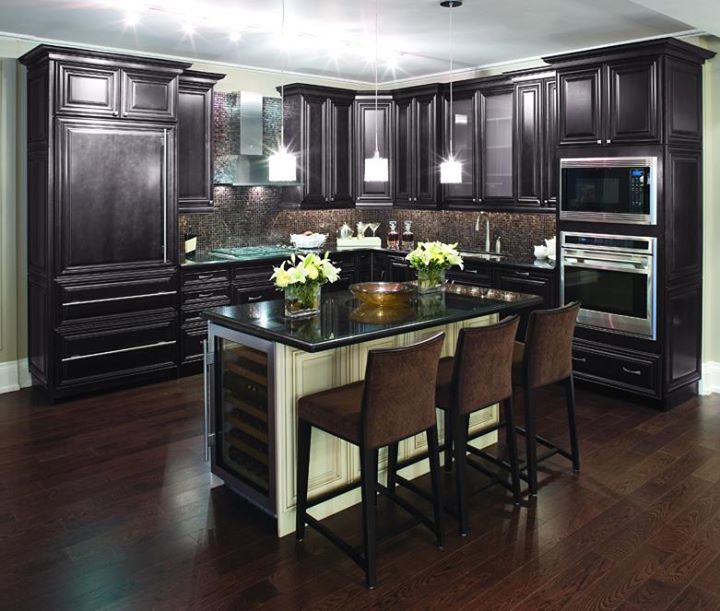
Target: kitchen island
[{"x": 258, "y": 364}]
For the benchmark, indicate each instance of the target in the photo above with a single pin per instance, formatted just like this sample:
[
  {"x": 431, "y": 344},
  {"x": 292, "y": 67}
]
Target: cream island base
[{"x": 258, "y": 365}]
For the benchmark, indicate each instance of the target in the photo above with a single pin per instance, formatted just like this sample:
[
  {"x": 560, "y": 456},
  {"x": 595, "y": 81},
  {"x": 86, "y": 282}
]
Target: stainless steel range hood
[{"x": 251, "y": 165}]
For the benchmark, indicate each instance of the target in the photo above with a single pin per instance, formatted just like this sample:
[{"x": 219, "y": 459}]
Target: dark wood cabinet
[
  {"x": 461, "y": 137},
  {"x": 373, "y": 128},
  {"x": 497, "y": 182},
  {"x": 632, "y": 94},
  {"x": 683, "y": 101},
  {"x": 115, "y": 204},
  {"x": 415, "y": 160},
  {"x": 195, "y": 143},
  {"x": 102, "y": 223},
  {"x": 147, "y": 95},
  {"x": 319, "y": 128},
  {"x": 551, "y": 164},
  {"x": 580, "y": 106},
  {"x": 87, "y": 90}
]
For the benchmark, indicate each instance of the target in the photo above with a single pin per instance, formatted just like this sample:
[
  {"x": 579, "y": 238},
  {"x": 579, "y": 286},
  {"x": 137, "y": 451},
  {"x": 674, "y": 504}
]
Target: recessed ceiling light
[
  {"x": 132, "y": 18},
  {"x": 234, "y": 36},
  {"x": 188, "y": 29}
]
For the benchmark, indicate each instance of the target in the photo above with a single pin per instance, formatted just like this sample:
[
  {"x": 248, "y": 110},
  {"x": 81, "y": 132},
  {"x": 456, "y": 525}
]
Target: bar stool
[
  {"x": 396, "y": 401},
  {"x": 478, "y": 376},
  {"x": 546, "y": 358}
]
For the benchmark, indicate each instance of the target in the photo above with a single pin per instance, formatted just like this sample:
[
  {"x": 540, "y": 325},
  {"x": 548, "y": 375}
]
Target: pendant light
[
  {"x": 282, "y": 163},
  {"x": 451, "y": 168},
  {"x": 376, "y": 167}
]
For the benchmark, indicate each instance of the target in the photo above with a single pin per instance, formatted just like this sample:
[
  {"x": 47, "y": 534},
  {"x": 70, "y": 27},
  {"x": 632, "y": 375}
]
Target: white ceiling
[{"x": 413, "y": 33}]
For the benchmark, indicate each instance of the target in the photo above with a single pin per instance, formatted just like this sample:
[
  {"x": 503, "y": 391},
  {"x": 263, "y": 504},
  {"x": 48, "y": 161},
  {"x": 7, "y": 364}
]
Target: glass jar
[
  {"x": 302, "y": 299},
  {"x": 430, "y": 280},
  {"x": 408, "y": 239},
  {"x": 393, "y": 237}
]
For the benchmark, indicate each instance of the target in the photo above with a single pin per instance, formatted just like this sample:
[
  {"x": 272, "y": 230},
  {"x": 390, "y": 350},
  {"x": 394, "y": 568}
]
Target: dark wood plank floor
[{"x": 106, "y": 503}]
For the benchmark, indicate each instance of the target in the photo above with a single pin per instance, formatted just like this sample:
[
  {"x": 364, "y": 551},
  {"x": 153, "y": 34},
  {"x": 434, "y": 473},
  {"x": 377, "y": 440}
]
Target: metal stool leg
[
  {"x": 570, "y": 400},
  {"x": 303, "y": 469},
  {"x": 369, "y": 492},
  {"x": 460, "y": 432},
  {"x": 511, "y": 440},
  {"x": 530, "y": 441},
  {"x": 434, "y": 457}
]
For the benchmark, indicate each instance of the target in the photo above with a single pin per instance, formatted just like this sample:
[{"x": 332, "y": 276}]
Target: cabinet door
[
  {"x": 463, "y": 125},
  {"x": 194, "y": 132},
  {"x": 497, "y": 138},
  {"x": 115, "y": 207},
  {"x": 370, "y": 117},
  {"x": 529, "y": 146},
  {"x": 551, "y": 168},
  {"x": 426, "y": 165},
  {"x": 340, "y": 153},
  {"x": 580, "y": 106},
  {"x": 404, "y": 159},
  {"x": 683, "y": 99},
  {"x": 84, "y": 90},
  {"x": 633, "y": 101},
  {"x": 314, "y": 145},
  {"x": 399, "y": 270},
  {"x": 148, "y": 95}
]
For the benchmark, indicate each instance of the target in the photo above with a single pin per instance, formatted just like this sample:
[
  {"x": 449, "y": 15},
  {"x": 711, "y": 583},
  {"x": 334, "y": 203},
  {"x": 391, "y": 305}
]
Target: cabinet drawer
[
  {"x": 522, "y": 281},
  {"x": 206, "y": 296},
  {"x": 117, "y": 351},
  {"x": 254, "y": 275},
  {"x": 205, "y": 276},
  {"x": 636, "y": 372},
  {"x": 84, "y": 90},
  {"x": 148, "y": 96},
  {"x": 469, "y": 275},
  {"x": 191, "y": 344},
  {"x": 244, "y": 294},
  {"x": 87, "y": 300}
]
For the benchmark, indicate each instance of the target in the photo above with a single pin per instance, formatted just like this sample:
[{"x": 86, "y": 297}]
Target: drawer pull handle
[
  {"x": 635, "y": 372},
  {"x": 579, "y": 359},
  {"x": 255, "y": 298},
  {"x": 143, "y": 296},
  {"x": 77, "y": 357},
  {"x": 471, "y": 271},
  {"x": 204, "y": 276},
  {"x": 204, "y": 295},
  {"x": 523, "y": 274}
]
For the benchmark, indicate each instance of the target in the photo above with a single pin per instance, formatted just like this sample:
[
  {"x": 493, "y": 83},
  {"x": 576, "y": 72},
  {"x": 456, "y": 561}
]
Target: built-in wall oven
[
  {"x": 609, "y": 190},
  {"x": 614, "y": 279}
]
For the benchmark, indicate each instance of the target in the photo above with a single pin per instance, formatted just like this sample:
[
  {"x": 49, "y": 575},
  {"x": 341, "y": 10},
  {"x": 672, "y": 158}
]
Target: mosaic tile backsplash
[{"x": 249, "y": 216}]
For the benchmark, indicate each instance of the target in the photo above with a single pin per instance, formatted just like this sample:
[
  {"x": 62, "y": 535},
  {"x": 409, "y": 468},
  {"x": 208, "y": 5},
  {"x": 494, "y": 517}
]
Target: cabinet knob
[
  {"x": 599, "y": 141},
  {"x": 609, "y": 141},
  {"x": 479, "y": 199},
  {"x": 546, "y": 202}
]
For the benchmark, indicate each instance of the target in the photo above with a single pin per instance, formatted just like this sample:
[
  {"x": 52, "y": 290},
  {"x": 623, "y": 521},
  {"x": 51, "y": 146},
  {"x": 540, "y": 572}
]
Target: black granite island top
[{"x": 343, "y": 320}]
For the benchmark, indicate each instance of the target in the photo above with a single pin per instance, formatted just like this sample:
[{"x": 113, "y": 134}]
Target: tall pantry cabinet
[{"x": 102, "y": 239}]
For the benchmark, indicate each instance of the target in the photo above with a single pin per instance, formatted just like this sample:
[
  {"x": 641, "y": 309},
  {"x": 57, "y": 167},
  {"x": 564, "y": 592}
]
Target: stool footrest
[
  {"x": 471, "y": 462},
  {"x": 332, "y": 494},
  {"x": 407, "y": 507},
  {"x": 333, "y": 538},
  {"x": 485, "y": 456},
  {"x": 548, "y": 444}
]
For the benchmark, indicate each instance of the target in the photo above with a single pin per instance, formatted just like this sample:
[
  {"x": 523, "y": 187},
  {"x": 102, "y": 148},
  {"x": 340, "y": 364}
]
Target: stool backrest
[
  {"x": 399, "y": 395},
  {"x": 482, "y": 370},
  {"x": 548, "y": 344}
]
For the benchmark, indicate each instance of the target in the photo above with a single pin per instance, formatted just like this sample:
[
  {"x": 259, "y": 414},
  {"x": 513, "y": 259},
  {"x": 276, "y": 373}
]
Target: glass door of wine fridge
[{"x": 239, "y": 413}]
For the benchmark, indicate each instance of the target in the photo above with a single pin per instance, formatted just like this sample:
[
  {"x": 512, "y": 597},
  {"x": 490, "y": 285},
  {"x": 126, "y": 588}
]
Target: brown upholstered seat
[
  {"x": 478, "y": 376},
  {"x": 396, "y": 401},
  {"x": 546, "y": 358},
  {"x": 336, "y": 411}
]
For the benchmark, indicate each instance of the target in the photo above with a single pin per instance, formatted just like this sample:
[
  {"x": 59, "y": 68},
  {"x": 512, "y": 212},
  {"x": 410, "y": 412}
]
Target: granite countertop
[
  {"x": 210, "y": 258},
  {"x": 343, "y": 320}
]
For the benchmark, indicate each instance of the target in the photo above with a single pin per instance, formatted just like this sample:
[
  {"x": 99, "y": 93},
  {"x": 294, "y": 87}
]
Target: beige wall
[{"x": 12, "y": 185}]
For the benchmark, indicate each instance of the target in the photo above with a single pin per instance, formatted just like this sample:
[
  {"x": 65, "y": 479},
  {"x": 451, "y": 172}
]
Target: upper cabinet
[
  {"x": 461, "y": 138},
  {"x": 620, "y": 95},
  {"x": 497, "y": 128},
  {"x": 415, "y": 158},
  {"x": 373, "y": 129},
  {"x": 195, "y": 143},
  {"x": 319, "y": 130},
  {"x": 536, "y": 142}
]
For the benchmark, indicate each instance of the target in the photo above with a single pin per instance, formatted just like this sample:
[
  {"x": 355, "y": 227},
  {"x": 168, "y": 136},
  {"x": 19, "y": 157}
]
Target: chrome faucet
[{"x": 487, "y": 229}]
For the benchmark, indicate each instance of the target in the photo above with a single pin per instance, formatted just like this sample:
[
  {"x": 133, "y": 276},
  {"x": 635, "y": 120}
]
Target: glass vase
[
  {"x": 302, "y": 300},
  {"x": 430, "y": 280}
]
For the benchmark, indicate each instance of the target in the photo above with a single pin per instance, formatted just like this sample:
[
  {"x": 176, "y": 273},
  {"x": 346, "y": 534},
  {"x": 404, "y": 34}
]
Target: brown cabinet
[
  {"x": 369, "y": 117},
  {"x": 86, "y": 90},
  {"x": 496, "y": 107},
  {"x": 149, "y": 96},
  {"x": 415, "y": 161},
  {"x": 580, "y": 106},
  {"x": 195, "y": 143},
  {"x": 319, "y": 129},
  {"x": 462, "y": 124}
]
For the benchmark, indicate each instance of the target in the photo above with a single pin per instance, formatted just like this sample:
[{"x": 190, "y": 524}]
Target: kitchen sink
[{"x": 480, "y": 254}]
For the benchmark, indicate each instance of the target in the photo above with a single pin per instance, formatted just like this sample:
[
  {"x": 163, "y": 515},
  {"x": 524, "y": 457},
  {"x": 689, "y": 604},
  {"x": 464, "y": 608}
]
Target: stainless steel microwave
[{"x": 609, "y": 190}]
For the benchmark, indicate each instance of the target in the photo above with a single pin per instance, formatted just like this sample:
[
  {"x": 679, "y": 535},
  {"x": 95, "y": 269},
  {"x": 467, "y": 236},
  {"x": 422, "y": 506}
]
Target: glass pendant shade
[
  {"x": 451, "y": 171},
  {"x": 282, "y": 166},
  {"x": 376, "y": 168}
]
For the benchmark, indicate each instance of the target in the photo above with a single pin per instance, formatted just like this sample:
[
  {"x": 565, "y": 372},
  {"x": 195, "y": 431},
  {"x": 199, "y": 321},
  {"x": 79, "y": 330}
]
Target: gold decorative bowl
[{"x": 383, "y": 294}]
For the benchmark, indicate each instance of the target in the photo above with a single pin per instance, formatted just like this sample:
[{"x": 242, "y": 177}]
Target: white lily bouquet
[
  {"x": 302, "y": 278},
  {"x": 431, "y": 260}
]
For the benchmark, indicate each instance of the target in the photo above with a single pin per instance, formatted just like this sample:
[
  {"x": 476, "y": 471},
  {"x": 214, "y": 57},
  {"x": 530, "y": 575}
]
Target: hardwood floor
[{"x": 105, "y": 502}]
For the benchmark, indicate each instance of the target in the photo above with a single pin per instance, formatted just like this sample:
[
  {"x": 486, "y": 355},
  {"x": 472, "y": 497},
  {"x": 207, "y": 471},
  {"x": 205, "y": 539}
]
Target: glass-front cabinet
[{"x": 496, "y": 109}]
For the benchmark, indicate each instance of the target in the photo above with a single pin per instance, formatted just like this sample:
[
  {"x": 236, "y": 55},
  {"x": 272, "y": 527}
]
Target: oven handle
[
  {"x": 596, "y": 256},
  {"x": 632, "y": 268}
]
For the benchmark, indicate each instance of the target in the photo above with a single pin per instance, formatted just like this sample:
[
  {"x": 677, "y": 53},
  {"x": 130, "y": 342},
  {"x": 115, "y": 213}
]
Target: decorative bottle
[
  {"x": 393, "y": 237},
  {"x": 408, "y": 239}
]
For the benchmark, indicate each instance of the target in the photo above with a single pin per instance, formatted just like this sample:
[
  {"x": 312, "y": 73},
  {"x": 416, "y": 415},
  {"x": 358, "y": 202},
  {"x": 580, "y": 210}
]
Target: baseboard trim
[
  {"x": 14, "y": 375},
  {"x": 710, "y": 382}
]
